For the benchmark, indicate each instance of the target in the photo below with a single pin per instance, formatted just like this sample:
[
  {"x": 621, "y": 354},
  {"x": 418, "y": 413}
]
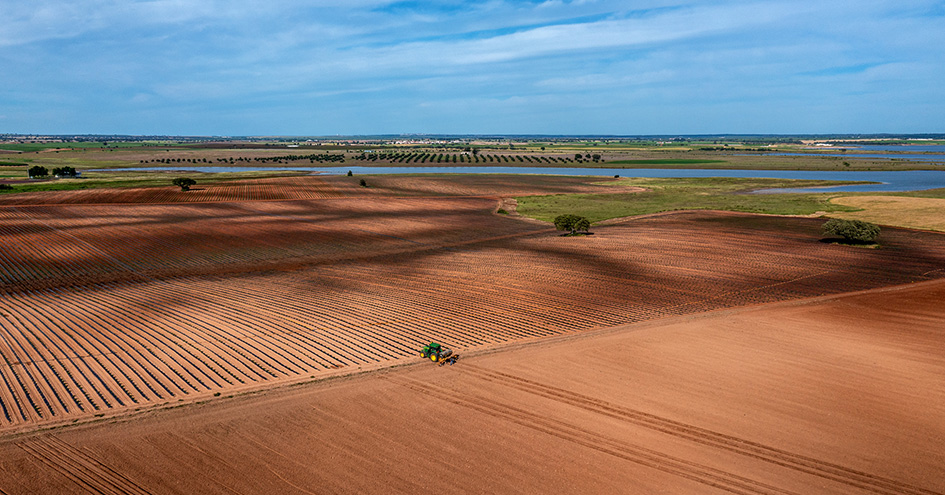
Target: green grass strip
[
  {"x": 731, "y": 194},
  {"x": 664, "y": 161}
]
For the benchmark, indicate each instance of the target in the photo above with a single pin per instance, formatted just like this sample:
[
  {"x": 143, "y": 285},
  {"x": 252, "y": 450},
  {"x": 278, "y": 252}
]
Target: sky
[{"x": 361, "y": 67}]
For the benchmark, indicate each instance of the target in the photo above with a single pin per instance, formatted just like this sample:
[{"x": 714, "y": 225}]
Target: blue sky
[{"x": 283, "y": 67}]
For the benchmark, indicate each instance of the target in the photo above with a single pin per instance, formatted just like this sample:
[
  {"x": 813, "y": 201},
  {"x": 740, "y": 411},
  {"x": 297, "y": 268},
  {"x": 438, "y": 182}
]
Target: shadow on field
[{"x": 680, "y": 259}]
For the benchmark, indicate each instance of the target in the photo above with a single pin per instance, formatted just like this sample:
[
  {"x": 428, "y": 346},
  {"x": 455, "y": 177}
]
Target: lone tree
[
  {"x": 184, "y": 183},
  {"x": 572, "y": 223},
  {"x": 854, "y": 231},
  {"x": 37, "y": 171}
]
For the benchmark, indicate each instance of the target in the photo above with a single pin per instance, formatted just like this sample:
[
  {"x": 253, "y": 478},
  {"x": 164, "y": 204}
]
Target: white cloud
[
  {"x": 599, "y": 36},
  {"x": 243, "y": 55},
  {"x": 594, "y": 82},
  {"x": 38, "y": 20}
]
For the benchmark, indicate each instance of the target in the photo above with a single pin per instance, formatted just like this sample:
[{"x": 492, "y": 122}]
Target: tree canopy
[
  {"x": 184, "y": 183},
  {"x": 38, "y": 171},
  {"x": 64, "y": 172},
  {"x": 852, "y": 230},
  {"x": 572, "y": 223}
]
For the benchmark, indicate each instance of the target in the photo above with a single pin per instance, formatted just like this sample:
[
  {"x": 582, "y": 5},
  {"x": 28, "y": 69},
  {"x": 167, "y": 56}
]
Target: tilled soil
[
  {"x": 281, "y": 188},
  {"x": 833, "y": 395},
  {"x": 108, "y": 309}
]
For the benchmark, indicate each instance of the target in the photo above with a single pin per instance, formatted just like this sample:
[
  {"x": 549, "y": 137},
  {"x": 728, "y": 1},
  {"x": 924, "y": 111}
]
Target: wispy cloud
[{"x": 318, "y": 67}]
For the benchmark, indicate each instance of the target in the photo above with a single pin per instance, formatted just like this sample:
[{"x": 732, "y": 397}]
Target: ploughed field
[
  {"x": 836, "y": 395},
  {"x": 109, "y": 308},
  {"x": 253, "y": 190},
  {"x": 317, "y": 187}
]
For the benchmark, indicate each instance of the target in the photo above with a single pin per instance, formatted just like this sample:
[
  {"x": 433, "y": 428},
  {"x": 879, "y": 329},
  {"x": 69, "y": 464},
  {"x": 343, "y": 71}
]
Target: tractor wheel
[{"x": 434, "y": 357}]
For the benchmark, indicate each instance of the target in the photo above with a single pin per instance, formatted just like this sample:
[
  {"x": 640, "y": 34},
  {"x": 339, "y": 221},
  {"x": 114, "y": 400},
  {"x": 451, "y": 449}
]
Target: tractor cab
[{"x": 436, "y": 352}]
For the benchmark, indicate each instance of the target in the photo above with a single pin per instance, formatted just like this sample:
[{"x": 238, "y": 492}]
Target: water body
[
  {"x": 902, "y": 148},
  {"x": 885, "y": 181},
  {"x": 855, "y": 156}
]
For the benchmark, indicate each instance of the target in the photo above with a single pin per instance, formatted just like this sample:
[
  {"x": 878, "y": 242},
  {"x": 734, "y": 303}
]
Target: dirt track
[{"x": 839, "y": 395}]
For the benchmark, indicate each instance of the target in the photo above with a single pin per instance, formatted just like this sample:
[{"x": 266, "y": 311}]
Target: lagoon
[
  {"x": 903, "y": 148},
  {"x": 859, "y": 156},
  {"x": 883, "y": 181}
]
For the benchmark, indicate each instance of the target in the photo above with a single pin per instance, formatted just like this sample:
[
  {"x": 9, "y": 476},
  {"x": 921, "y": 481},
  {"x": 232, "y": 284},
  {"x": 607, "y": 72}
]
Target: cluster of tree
[
  {"x": 37, "y": 171},
  {"x": 177, "y": 160},
  {"x": 64, "y": 172},
  {"x": 587, "y": 156},
  {"x": 314, "y": 157},
  {"x": 372, "y": 157},
  {"x": 853, "y": 231},
  {"x": 418, "y": 157},
  {"x": 726, "y": 148},
  {"x": 572, "y": 223},
  {"x": 183, "y": 183}
]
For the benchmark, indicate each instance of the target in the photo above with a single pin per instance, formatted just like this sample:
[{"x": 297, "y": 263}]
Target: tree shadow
[{"x": 850, "y": 242}]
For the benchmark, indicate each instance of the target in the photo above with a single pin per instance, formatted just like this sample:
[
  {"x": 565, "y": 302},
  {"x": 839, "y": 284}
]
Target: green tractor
[{"x": 438, "y": 354}]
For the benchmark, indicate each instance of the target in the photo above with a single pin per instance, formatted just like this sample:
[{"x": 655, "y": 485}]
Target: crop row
[
  {"x": 53, "y": 245},
  {"x": 82, "y": 350},
  {"x": 498, "y": 186}
]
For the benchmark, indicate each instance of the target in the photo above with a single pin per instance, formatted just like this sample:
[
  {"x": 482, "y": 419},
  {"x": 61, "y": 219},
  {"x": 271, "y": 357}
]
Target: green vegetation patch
[
  {"x": 74, "y": 184},
  {"x": 665, "y": 161},
  {"x": 852, "y": 231},
  {"x": 98, "y": 180},
  {"x": 28, "y": 147},
  {"x": 731, "y": 194}
]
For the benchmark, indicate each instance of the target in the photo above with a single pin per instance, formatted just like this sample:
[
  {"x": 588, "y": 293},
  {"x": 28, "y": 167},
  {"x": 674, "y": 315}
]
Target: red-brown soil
[
  {"x": 319, "y": 187},
  {"x": 282, "y": 188},
  {"x": 837, "y": 395},
  {"x": 109, "y": 308},
  {"x": 494, "y": 185},
  {"x": 49, "y": 246},
  {"x": 115, "y": 312}
]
